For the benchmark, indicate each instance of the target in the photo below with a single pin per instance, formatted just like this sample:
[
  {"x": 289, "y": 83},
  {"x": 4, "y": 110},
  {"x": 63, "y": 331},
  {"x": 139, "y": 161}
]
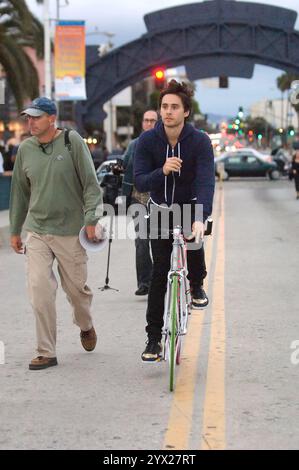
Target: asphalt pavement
[{"x": 236, "y": 387}]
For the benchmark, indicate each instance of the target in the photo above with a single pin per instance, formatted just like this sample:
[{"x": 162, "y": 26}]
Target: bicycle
[{"x": 177, "y": 302}]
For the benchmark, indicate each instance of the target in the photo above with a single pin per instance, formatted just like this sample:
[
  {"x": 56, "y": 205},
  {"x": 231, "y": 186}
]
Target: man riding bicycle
[{"x": 175, "y": 162}]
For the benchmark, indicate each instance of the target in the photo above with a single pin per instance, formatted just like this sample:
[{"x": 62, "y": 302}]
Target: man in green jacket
[{"x": 54, "y": 193}]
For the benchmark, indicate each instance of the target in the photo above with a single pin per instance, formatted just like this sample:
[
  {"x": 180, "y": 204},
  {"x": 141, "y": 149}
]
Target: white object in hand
[{"x": 89, "y": 245}]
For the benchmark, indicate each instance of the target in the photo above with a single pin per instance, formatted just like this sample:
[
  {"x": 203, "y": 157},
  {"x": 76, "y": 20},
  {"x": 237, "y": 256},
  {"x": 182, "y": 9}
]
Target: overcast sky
[{"x": 125, "y": 19}]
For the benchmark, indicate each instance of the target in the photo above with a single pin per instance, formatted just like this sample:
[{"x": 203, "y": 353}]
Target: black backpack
[
  {"x": 68, "y": 145},
  {"x": 67, "y": 141}
]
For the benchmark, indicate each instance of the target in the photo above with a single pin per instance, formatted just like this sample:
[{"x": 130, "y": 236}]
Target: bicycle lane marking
[
  {"x": 213, "y": 428},
  {"x": 181, "y": 412}
]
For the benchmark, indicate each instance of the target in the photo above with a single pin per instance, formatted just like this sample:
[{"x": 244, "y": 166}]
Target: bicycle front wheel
[{"x": 173, "y": 332}]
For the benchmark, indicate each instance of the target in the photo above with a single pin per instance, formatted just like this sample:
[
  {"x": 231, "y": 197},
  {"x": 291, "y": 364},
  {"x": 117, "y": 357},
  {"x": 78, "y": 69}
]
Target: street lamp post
[
  {"x": 47, "y": 50},
  {"x": 47, "y": 43},
  {"x": 110, "y": 121},
  {"x": 109, "y": 108}
]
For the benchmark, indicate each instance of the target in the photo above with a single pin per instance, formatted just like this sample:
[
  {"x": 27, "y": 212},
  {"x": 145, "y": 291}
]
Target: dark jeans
[{"x": 161, "y": 251}]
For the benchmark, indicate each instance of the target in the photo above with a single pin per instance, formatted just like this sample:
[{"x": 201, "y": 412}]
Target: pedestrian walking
[
  {"x": 142, "y": 246},
  {"x": 54, "y": 193}
]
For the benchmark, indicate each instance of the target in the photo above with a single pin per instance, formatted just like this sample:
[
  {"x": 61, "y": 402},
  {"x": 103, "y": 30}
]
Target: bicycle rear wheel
[{"x": 173, "y": 332}]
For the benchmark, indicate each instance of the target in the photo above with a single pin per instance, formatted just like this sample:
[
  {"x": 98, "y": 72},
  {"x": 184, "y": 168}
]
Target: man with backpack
[{"x": 54, "y": 193}]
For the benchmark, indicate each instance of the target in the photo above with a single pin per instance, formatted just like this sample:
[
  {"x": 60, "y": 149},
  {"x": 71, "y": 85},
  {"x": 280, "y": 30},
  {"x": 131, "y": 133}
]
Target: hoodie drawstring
[
  {"x": 173, "y": 177},
  {"x": 165, "y": 182}
]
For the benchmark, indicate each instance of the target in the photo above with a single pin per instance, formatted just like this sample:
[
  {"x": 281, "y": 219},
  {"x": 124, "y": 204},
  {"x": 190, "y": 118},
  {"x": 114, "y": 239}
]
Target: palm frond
[
  {"x": 20, "y": 28},
  {"x": 13, "y": 77}
]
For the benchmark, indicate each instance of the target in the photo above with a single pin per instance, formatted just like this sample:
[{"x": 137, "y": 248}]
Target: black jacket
[{"x": 196, "y": 181}]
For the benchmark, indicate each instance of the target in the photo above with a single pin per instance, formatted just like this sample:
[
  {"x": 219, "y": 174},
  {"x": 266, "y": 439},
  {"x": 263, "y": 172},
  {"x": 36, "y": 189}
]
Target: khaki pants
[{"x": 41, "y": 251}]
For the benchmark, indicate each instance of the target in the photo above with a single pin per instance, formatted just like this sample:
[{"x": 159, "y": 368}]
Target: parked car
[
  {"x": 110, "y": 176},
  {"x": 246, "y": 162}
]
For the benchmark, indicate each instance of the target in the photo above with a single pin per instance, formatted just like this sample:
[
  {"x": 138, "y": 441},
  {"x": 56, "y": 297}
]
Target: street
[{"x": 236, "y": 387}]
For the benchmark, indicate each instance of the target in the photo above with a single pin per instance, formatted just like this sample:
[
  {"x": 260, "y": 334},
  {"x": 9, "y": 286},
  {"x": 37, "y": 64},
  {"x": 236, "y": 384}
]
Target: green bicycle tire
[{"x": 172, "y": 352}]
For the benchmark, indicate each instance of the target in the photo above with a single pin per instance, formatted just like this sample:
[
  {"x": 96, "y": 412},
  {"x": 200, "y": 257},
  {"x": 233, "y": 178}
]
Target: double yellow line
[{"x": 180, "y": 422}]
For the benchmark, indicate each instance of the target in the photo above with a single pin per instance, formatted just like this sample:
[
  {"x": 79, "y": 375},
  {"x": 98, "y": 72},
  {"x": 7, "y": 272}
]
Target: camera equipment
[
  {"x": 106, "y": 286},
  {"x": 112, "y": 182}
]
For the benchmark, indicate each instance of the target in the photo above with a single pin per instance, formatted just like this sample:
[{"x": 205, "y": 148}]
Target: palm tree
[{"x": 19, "y": 29}]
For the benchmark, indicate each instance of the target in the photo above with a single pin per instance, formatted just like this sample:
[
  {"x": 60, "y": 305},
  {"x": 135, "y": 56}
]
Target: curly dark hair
[{"x": 183, "y": 90}]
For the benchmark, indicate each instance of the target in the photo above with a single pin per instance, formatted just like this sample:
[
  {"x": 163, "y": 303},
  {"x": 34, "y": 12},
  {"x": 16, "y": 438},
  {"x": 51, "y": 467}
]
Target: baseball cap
[{"x": 40, "y": 106}]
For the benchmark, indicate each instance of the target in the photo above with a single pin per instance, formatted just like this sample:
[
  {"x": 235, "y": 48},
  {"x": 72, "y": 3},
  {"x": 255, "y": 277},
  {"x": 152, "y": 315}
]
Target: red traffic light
[
  {"x": 159, "y": 77},
  {"x": 160, "y": 74}
]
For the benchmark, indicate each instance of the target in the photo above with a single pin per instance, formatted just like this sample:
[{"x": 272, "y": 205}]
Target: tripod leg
[{"x": 106, "y": 286}]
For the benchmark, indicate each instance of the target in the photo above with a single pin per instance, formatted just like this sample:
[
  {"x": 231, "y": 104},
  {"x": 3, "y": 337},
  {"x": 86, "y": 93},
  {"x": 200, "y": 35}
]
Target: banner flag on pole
[{"x": 70, "y": 61}]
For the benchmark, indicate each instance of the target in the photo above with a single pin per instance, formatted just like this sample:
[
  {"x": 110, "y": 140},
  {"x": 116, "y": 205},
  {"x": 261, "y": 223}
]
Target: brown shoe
[
  {"x": 88, "y": 339},
  {"x": 42, "y": 362}
]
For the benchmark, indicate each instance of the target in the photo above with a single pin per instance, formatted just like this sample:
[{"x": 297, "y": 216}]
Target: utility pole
[
  {"x": 47, "y": 43},
  {"x": 47, "y": 50},
  {"x": 109, "y": 107}
]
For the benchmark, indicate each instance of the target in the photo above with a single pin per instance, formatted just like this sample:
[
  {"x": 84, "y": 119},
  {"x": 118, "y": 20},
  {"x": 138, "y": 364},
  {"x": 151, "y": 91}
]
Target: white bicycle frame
[{"x": 178, "y": 267}]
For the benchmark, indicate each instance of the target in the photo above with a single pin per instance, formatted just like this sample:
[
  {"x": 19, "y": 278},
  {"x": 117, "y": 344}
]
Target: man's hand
[
  {"x": 198, "y": 231},
  {"x": 16, "y": 244},
  {"x": 172, "y": 164},
  {"x": 95, "y": 233}
]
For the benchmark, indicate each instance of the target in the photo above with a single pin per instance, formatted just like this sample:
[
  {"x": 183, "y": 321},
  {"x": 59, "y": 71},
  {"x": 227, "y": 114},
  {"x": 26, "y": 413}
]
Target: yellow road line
[
  {"x": 181, "y": 413},
  {"x": 213, "y": 431}
]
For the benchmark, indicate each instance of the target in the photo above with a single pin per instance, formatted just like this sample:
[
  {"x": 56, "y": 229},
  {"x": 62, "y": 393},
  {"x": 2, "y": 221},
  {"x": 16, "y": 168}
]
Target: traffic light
[
  {"x": 240, "y": 112},
  {"x": 250, "y": 135},
  {"x": 159, "y": 77}
]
